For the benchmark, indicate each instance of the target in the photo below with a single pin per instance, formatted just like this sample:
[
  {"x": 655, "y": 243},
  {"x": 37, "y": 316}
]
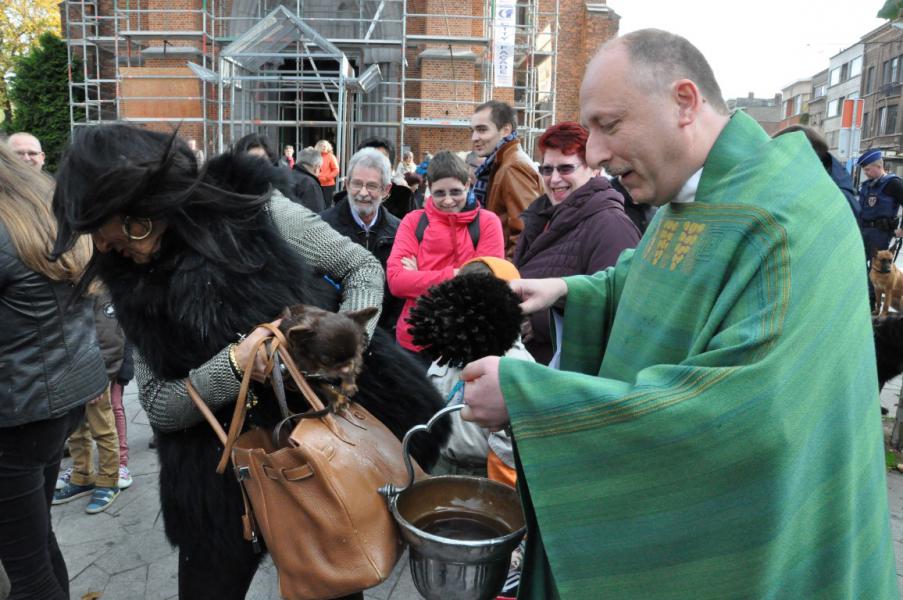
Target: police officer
[{"x": 880, "y": 195}]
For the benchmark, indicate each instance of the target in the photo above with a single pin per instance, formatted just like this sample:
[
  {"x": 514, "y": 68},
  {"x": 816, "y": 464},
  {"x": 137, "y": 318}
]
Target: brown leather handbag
[{"x": 314, "y": 498}]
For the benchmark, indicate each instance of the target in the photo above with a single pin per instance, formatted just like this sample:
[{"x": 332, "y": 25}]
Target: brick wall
[
  {"x": 434, "y": 139},
  {"x": 442, "y": 75},
  {"x": 581, "y": 32},
  {"x": 187, "y": 17}
]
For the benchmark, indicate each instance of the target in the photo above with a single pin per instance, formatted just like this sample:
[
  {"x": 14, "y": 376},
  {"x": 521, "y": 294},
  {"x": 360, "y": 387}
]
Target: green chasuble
[{"x": 717, "y": 433}]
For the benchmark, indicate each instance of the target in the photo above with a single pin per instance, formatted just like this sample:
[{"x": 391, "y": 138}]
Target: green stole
[{"x": 714, "y": 431}]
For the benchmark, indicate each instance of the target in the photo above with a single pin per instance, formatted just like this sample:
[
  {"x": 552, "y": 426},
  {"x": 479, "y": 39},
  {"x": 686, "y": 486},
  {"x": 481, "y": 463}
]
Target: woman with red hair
[{"x": 577, "y": 227}]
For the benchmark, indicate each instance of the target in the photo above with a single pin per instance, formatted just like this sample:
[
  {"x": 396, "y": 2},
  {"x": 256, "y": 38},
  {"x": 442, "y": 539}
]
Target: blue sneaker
[
  {"x": 101, "y": 499},
  {"x": 64, "y": 478},
  {"x": 70, "y": 492}
]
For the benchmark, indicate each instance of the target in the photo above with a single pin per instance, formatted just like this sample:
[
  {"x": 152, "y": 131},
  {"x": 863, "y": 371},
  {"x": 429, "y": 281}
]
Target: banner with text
[{"x": 503, "y": 42}]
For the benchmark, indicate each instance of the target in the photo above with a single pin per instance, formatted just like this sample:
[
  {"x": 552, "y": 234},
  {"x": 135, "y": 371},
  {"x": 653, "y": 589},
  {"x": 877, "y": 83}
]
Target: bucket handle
[{"x": 390, "y": 490}]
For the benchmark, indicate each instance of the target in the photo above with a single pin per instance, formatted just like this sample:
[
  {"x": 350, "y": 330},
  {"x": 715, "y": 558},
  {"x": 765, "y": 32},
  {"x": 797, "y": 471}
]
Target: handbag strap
[
  {"x": 274, "y": 355},
  {"x": 205, "y": 410}
]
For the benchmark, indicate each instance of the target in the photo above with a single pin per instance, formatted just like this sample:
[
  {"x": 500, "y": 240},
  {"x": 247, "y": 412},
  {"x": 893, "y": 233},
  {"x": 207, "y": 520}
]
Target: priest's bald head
[{"x": 653, "y": 109}]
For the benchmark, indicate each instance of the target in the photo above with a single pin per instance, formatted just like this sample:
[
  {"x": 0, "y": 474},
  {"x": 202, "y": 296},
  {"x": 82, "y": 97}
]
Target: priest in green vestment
[{"x": 714, "y": 431}]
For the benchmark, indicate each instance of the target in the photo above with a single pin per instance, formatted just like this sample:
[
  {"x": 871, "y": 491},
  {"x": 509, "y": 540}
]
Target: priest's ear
[{"x": 689, "y": 101}]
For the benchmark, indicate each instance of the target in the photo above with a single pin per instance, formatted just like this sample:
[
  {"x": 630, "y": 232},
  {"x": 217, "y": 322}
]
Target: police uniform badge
[{"x": 872, "y": 201}]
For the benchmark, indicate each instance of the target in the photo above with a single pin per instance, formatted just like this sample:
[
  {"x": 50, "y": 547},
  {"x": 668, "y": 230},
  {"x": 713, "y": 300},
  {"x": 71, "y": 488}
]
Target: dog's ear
[{"x": 300, "y": 333}]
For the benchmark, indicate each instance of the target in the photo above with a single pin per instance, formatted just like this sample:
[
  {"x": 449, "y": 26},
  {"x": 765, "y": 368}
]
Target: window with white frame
[
  {"x": 856, "y": 66},
  {"x": 835, "y": 76},
  {"x": 834, "y": 107}
]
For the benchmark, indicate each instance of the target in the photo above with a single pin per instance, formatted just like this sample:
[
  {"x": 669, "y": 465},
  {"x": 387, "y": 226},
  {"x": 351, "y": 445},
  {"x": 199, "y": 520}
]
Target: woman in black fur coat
[{"x": 192, "y": 261}]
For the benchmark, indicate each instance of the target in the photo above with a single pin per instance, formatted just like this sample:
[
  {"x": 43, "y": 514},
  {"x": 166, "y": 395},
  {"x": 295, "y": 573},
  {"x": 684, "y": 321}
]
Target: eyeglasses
[
  {"x": 355, "y": 185},
  {"x": 547, "y": 170},
  {"x": 137, "y": 228},
  {"x": 455, "y": 193},
  {"x": 28, "y": 153}
]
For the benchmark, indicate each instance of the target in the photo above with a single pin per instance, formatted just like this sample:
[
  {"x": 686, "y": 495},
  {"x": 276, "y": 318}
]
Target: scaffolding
[{"x": 302, "y": 70}]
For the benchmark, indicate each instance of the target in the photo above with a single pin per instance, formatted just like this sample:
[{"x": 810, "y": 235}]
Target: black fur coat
[{"x": 183, "y": 309}]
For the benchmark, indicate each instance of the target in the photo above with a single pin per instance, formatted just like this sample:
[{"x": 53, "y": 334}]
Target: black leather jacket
[{"x": 50, "y": 361}]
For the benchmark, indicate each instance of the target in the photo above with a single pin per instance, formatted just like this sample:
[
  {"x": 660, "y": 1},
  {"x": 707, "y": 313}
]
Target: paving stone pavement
[{"x": 123, "y": 554}]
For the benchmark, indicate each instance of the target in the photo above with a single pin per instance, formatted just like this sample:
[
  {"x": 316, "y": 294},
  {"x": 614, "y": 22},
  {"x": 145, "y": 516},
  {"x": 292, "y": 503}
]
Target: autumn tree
[{"x": 21, "y": 23}]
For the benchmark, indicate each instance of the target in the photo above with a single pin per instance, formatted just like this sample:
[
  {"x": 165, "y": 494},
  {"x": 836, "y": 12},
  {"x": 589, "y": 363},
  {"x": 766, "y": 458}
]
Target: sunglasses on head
[{"x": 547, "y": 170}]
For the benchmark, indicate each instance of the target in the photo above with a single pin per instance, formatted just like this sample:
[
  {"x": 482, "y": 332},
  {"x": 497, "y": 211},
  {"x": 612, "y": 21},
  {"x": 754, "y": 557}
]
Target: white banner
[{"x": 503, "y": 43}]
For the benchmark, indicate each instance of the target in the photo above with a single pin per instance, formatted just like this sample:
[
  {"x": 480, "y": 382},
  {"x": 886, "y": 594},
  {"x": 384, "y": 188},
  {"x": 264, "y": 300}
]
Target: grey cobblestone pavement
[{"x": 122, "y": 553}]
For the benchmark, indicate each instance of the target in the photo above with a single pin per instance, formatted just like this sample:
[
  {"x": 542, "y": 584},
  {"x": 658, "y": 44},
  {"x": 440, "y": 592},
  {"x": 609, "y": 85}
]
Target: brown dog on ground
[{"x": 888, "y": 282}]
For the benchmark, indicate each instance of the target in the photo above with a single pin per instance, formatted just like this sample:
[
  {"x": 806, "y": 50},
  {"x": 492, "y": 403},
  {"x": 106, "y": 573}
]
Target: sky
[{"x": 759, "y": 46}]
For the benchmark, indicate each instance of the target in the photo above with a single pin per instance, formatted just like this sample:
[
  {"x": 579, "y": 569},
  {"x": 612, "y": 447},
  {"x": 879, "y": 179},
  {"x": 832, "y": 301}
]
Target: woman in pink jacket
[{"x": 432, "y": 243}]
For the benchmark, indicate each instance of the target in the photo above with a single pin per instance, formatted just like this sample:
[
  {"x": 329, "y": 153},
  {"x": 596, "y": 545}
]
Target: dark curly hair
[{"x": 466, "y": 318}]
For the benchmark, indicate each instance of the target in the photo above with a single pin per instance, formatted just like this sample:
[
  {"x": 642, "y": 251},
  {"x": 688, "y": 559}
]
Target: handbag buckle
[{"x": 243, "y": 473}]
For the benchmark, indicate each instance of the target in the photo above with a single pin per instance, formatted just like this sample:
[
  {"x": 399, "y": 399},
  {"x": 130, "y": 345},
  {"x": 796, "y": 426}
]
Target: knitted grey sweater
[{"x": 167, "y": 403}]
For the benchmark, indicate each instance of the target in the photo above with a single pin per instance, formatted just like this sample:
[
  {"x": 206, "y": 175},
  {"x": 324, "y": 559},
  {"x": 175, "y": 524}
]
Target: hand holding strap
[{"x": 274, "y": 355}]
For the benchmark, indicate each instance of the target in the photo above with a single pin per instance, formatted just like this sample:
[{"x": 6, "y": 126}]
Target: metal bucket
[{"x": 461, "y": 530}]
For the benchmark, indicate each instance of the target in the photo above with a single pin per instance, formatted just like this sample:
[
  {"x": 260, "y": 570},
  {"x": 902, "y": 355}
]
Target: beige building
[{"x": 796, "y": 103}]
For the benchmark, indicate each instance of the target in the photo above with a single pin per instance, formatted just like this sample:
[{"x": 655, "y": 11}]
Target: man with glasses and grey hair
[{"x": 360, "y": 216}]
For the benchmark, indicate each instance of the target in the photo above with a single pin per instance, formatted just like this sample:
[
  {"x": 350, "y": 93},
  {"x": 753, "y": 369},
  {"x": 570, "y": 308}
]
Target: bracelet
[{"x": 236, "y": 369}]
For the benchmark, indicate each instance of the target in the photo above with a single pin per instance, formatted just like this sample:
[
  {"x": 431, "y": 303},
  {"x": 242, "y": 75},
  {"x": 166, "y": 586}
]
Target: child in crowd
[
  {"x": 99, "y": 425},
  {"x": 117, "y": 389},
  {"x": 471, "y": 316}
]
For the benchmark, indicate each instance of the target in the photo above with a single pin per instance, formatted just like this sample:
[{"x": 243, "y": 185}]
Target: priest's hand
[
  {"x": 538, "y": 294},
  {"x": 483, "y": 394}
]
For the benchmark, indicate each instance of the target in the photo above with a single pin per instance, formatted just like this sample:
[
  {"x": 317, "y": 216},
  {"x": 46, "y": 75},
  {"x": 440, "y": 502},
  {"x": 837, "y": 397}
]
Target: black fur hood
[
  {"x": 183, "y": 308},
  {"x": 245, "y": 174}
]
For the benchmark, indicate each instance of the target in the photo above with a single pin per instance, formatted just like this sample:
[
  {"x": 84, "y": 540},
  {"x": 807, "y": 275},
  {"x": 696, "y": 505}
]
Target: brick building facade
[{"x": 435, "y": 59}]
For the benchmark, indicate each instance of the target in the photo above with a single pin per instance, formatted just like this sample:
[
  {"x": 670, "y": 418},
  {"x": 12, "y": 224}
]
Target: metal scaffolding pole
[{"x": 296, "y": 74}]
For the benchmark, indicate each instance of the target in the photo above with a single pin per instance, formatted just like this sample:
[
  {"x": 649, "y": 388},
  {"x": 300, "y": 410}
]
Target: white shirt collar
[
  {"x": 360, "y": 221},
  {"x": 687, "y": 193}
]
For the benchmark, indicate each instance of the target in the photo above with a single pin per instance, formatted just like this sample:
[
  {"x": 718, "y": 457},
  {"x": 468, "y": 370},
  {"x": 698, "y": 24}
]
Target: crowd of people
[{"x": 665, "y": 410}]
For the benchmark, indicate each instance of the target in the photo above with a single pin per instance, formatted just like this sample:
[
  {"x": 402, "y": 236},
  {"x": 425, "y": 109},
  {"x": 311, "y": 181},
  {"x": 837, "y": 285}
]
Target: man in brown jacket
[{"x": 506, "y": 182}]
